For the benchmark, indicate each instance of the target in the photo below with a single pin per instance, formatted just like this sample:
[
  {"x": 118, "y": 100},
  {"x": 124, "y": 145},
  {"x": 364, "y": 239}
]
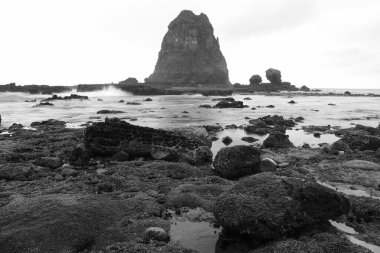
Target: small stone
[
  {"x": 156, "y": 234},
  {"x": 120, "y": 156},
  {"x": 267, "y": 165},
  {"x": 317, "y": 135},
  {"x": 101, "y": 171},
  {"x": 68, "y": 172},
  {"x": 283, "y": 165}
]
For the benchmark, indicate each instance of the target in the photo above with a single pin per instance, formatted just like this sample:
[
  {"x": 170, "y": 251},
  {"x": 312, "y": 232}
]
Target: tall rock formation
[
  {"x": 274, "y": 76},
  {"x": 190, "y": 54}
]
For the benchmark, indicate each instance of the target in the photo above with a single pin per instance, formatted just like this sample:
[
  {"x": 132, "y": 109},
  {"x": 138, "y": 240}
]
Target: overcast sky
[{"x": 319, "y": 43}]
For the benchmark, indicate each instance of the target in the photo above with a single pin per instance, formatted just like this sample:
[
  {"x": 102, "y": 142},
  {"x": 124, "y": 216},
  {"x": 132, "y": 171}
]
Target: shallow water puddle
[
  {"x": 343, "y": 227},
  {"x": 350, "y": 232},
  {"x": 193, "y": 229},
  {"x": 348, "y": 191},
  {"x": 371, "y": 247},
  {"x": 200, "y": 236}
]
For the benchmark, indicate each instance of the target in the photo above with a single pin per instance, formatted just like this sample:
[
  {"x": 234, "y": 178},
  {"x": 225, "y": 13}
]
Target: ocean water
[{"x": 169, "y": 112}]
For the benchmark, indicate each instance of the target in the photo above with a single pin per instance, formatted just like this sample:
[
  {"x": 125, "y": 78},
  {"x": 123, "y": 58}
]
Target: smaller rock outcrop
[
  {"x": 304, "y": 88},
  {"x": 255, "y": 79},
  {"x": 129, "y": 81},
  {"x": 273, "y": 76}
]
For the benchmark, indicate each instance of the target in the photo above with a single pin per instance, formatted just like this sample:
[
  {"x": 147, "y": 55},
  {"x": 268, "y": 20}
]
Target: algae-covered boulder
[
  {"x": 237, "y": 161},
  {"x": 70, "y": 222},
  {"x": 266, "y": 206},
  {"x": 278, "y": 140}
]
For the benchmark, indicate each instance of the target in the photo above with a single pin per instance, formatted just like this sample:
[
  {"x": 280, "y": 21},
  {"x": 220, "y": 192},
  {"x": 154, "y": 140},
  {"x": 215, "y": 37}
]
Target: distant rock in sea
[
  {"x": 255, "y": 79},
  {"x": 273, "y": 76},
  {"x": 190, "y": 54}
]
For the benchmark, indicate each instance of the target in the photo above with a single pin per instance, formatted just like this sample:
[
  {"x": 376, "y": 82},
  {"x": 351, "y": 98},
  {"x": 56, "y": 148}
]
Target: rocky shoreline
[
  {"x": 115, "y": 187},
  {"x": 160, "y": 89}
]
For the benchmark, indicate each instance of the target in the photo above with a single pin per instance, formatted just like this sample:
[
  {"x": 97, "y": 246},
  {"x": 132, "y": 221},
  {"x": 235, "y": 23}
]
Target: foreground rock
[
  {"x": 266, "y": 206},
  {"x": 109, "y": 112},
  {"x": 237, "y": 161},
  {"x": 190, "y": 54},
  {"x": 324, "y": 242},
  {"x": 67, "y": 223},
  {"x": 132, "y": 247}
]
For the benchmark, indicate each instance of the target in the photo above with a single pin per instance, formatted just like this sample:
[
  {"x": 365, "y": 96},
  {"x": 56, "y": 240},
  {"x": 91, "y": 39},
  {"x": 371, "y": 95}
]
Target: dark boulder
[
  {"x": 237, "y": 161},
  {"x": 227, "y": 140},
  {"x": 362, "y": 141},
  {"x": 156, "y": 234},
  {"x": 69, "y": 222},
  {"x": 227, "y": 104},
  {"x": 190, "y": 53},
  {"x": 266, "y": 206},
  {"x": 340, "y": 145},
  {"x": 278, "y": 140}
]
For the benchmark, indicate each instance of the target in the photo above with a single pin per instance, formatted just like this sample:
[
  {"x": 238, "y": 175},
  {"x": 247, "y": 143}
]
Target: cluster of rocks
[
  {"x": 72, "y": 96},
  {"x": 267, "y": 198},
  {"x": 228, "y": 102},
  {"x": 34, "y": 89},
  {"x": 92, "y": 87},
  {"x": 269, "y": 124},
  {"x": 276, "y": 84}
]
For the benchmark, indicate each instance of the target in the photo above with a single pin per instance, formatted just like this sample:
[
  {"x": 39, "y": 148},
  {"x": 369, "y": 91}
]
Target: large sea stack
[{"x": 190, "y": 54}]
